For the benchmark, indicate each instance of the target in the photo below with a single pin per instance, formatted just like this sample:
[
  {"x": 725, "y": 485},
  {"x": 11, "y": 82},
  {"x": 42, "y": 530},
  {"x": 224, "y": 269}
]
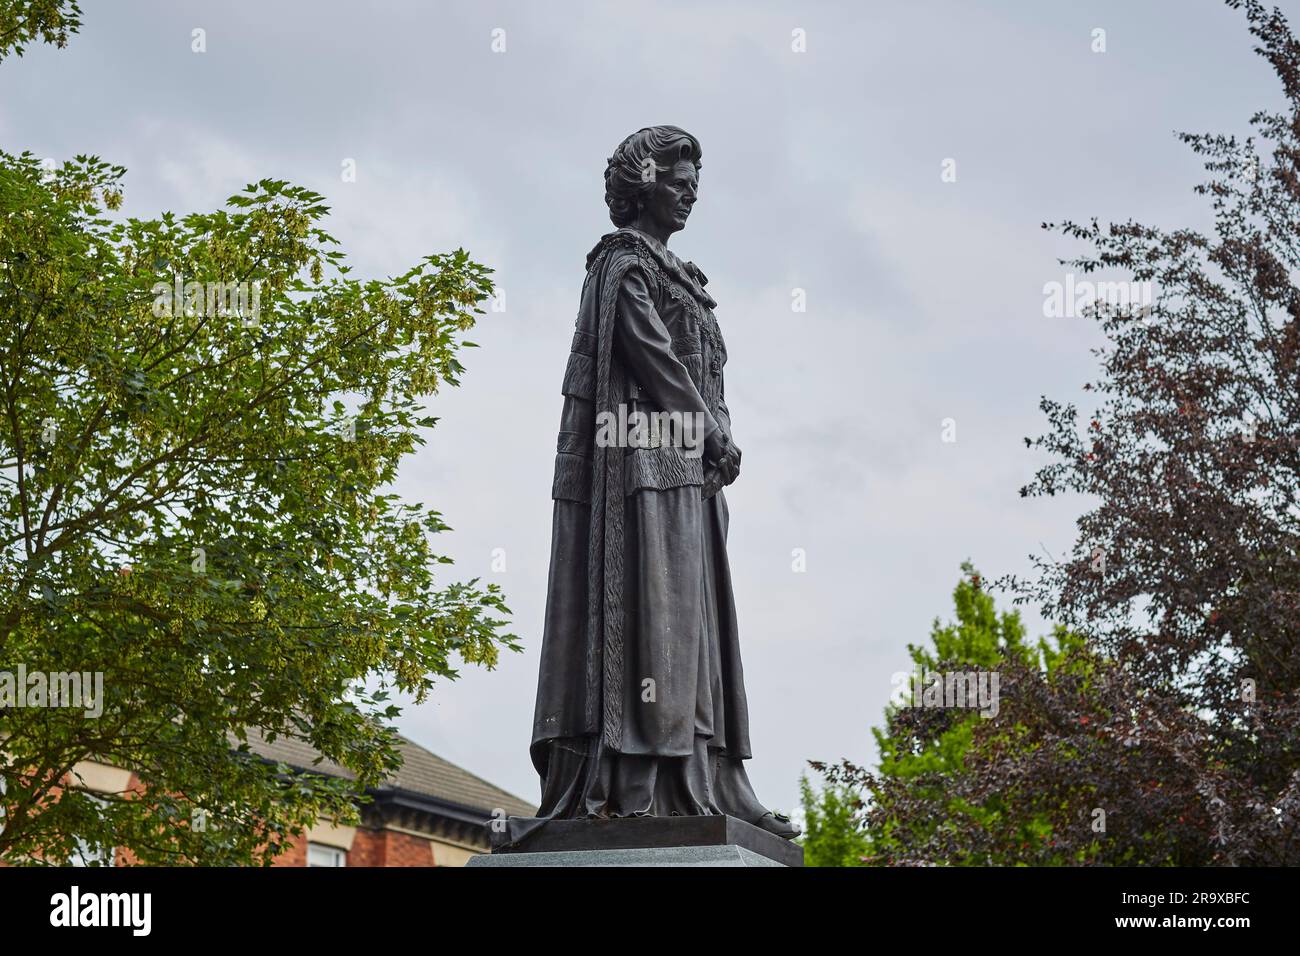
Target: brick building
[{"x": 431, "y": 813}]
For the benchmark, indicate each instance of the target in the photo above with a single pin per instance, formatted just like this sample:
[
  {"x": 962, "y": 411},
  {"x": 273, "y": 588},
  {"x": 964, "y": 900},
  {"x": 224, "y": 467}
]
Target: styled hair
[{"x": 626, "y": 184}]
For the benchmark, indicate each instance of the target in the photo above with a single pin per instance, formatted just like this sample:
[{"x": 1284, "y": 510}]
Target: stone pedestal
[{"x": 647, "y": 841}]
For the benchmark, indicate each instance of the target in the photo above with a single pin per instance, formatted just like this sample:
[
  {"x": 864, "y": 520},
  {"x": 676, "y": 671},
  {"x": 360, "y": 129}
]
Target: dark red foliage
[
  {"x": 1194, "y": 457},
  {"x": 1180, "y": 715}
]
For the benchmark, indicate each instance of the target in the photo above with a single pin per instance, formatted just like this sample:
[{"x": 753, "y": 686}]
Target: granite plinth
[
  {"x": 650, "y": 856},
  {"x": 633, "y": 837}
]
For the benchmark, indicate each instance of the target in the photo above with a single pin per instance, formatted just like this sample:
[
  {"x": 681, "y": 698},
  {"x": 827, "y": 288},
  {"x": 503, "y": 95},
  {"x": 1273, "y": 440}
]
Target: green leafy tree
[
  {"x": 832, "y": 835},
  {"x": 200, "y": 421},
  {"x": 913, "y": 804},
  {"x": 926, "y": 747},
  {"x": 1078, "y": 764},
  {"x": 47, "y": 21}
]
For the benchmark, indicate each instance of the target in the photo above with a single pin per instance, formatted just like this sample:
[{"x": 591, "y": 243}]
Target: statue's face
[{"x": 670, "y": 203}]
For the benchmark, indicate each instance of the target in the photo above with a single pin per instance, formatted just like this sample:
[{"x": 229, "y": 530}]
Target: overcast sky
[{"x": 821, "y": 171}]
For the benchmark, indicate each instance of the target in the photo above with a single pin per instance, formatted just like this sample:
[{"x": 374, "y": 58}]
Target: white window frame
[
  {"x": 326, "y": 855},
  {"x": 85, "y": 855}
]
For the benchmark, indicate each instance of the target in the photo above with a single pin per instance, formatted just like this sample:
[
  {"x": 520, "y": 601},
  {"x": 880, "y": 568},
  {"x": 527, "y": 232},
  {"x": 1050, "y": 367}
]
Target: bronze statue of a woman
[{"x": 640, "y": 698}]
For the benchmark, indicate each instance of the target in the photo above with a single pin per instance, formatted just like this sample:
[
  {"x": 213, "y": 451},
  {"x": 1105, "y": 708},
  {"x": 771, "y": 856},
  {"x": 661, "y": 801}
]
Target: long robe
[{"x": 641, "y": 706}]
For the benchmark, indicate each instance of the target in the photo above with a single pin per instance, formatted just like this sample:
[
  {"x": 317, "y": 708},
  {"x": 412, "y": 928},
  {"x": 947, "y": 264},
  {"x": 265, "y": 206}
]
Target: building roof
[{"x": 422, "y": 772}]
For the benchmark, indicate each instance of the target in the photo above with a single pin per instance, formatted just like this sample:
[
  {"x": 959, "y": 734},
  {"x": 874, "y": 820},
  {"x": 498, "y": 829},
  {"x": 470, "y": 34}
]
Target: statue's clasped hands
[{"x": 722, "y": 463}]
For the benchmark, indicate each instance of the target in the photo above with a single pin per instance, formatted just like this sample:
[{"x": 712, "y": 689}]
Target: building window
[
  {"x": 320, "y": 855},
  {"x": 87, "y": 855}
]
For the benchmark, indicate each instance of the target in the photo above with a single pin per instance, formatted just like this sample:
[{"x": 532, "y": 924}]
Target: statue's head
[{"x": 653, "y": 177}]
